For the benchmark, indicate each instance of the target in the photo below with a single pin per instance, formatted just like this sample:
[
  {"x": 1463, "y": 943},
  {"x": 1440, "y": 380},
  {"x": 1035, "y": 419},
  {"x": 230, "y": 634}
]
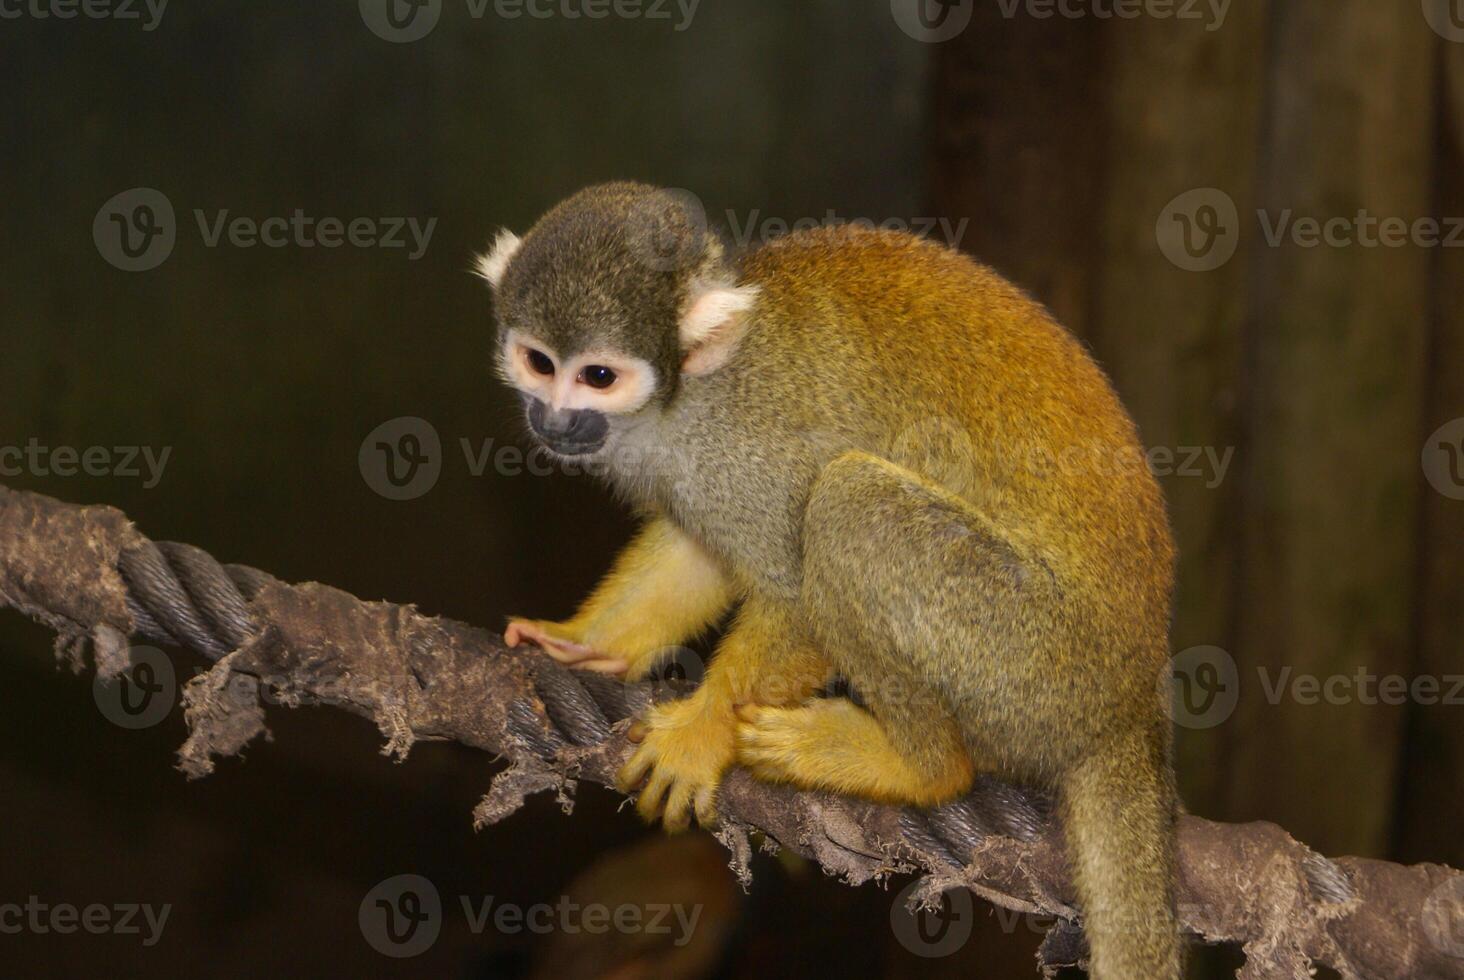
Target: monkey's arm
[
  {"x": 663, "y": 590},
  {"x": 687, "y": 745}
]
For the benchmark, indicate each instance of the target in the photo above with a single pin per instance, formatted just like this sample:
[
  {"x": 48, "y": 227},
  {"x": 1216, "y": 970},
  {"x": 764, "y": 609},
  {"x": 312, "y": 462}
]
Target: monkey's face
[
  {"x": 595, "y": 332},
  {"x": 575, "y": 402}
]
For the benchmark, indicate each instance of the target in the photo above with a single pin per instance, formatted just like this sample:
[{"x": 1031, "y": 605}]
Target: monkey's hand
[
  {"x": 562, "y": 641},
  {"x": 685, "y": 747}
]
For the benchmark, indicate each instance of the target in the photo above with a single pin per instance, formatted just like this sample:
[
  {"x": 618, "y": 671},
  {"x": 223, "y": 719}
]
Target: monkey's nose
[
  {"x": 558, "y": 421},
  {"x": 569, "y": 432}
]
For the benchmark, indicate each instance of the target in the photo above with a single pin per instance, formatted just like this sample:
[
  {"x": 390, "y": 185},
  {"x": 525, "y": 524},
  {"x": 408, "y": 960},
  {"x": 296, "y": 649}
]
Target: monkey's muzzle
[{"x": 568, "y": 432}]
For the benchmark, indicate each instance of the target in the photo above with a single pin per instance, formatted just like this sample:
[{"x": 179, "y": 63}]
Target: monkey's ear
[
  {"x": 712, "y": 325},
  {"x": 490, "y": 264}
]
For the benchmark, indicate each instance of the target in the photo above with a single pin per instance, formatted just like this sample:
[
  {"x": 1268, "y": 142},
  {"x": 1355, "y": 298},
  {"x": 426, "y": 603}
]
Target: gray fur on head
[{"x": 611, "y": 266}]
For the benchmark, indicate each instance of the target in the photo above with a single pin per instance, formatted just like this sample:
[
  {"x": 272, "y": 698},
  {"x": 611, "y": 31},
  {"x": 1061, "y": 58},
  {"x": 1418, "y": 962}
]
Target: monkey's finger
[
  {"x": 648, "y": 803},
  {"x": 602, "y": 665},
  {"x": 512, "y": 634},
  {"x": 529, "y": 631},
  {"x": 706, "y": 806},
  {"x": 636, "y": 733},
  {"x": 678, "y": 807},
  {"x": 562, "y": 650},
  {"x": 631, "y": 774},
  {"x": 764, "y": 746},
  {"x": 568, "y": 653},
  {"x": 764, "y": 724}
]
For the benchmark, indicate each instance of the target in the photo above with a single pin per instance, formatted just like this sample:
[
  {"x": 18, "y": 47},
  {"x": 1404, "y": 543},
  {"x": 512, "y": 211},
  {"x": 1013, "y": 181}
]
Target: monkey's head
[{"x": 605, "y": 306}]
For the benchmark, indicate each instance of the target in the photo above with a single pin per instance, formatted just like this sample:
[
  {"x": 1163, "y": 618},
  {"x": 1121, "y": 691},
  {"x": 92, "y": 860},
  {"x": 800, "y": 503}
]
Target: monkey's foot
[
  {"x": 685, "y": 747},
  {"x": 832, "y": 744},
  {"x": 561, "y": 642}
]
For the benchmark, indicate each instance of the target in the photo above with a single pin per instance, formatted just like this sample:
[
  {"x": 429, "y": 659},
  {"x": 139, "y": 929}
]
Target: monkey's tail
[{"x": 1119, "y": 817}]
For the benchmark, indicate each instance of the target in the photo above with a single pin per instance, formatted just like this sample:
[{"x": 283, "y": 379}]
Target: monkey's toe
[
  {"x": 681, "y": 757},
  {"x": 772, "y": 742}
]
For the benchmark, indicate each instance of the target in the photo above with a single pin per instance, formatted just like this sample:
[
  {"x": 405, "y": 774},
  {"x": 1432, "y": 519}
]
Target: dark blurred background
[{"x": 1130, "y": 172}]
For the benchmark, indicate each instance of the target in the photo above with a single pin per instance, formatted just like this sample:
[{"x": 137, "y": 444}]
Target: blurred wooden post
[
  {"x": 1016, "y": 147},
  {"x": 1332, "y": 384},
  {"x": 1064, "y": 141},
  {"x": 1431, "y": 790},
  {"x": 1183, "y": 110}
]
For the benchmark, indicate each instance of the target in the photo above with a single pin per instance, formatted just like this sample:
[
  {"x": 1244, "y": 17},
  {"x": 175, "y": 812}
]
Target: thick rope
[
  {"x": 87, "y": 573},
  {"x": 180, "y": 595}
]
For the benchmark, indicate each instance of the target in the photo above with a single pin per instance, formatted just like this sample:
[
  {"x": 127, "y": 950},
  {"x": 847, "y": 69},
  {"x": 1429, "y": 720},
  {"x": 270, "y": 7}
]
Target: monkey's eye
[
  {"x": 598, "y": 376},
  {"x": 540, "y": 362}
]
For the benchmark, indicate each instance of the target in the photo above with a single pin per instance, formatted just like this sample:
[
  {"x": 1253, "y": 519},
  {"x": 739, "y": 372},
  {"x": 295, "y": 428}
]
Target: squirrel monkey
[{"x": 902, "y": 472}]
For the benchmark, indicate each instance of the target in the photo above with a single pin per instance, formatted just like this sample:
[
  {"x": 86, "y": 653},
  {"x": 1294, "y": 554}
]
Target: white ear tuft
[
  {"x": 490, "y": 264},
  {"x": 711, "y": 325}
]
